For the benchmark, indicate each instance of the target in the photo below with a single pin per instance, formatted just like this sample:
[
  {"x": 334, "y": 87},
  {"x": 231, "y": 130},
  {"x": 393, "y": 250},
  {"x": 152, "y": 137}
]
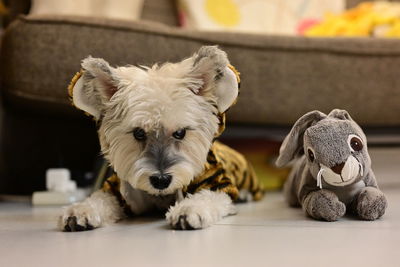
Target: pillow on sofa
[
  {"x": 367, "y": 19},
  {"x": 254, "y": 16},
  {"x": 118, "y": 9}
]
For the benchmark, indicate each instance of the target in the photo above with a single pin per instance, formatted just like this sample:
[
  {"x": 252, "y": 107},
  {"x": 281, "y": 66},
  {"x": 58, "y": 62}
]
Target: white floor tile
[{"x": 267, "y": 233}]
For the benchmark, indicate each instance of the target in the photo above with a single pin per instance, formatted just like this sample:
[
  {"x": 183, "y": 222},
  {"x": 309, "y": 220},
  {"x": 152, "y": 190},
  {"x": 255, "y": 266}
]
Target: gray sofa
[{"x": 282, "y": 78}]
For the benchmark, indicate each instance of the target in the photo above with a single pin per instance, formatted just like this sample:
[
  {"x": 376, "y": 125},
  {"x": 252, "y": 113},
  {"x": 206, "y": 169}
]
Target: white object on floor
[
  {"x": 61, "y": 190},
  {"x": 57, "y": 198},
  {"x": 59, "y": 180}
]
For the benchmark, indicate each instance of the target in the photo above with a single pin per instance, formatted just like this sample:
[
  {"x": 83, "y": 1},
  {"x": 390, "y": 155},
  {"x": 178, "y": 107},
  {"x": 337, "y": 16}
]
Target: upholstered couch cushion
[{"x": 282, "y": 77}]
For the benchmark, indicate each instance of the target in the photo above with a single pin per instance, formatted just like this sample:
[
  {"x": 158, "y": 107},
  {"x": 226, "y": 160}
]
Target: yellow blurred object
[
  {"x": 262, "y": 154},
  {"x": 224, "y": 12},
  {"x": 394, "y": 31},
  {"x": 269, "y": 175},
  {"x": 378, "y": 19},
  {"x": 3, "y": 9}
]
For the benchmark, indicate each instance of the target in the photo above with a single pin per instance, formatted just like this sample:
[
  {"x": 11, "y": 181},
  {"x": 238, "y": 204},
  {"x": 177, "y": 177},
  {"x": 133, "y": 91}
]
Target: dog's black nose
[{"x": 160, "y": 181}]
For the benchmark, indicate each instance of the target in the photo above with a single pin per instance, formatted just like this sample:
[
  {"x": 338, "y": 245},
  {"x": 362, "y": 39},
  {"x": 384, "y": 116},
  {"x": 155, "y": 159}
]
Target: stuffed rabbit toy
[{"x": 332, "y": 169}]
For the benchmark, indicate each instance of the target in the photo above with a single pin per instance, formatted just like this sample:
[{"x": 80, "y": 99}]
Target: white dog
[{"x": 157, "y": 128}]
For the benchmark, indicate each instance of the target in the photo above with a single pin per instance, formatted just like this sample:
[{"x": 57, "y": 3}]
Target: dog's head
[
  {"x": 334, "y": 145},
  {"x": 157, "y": 124}
]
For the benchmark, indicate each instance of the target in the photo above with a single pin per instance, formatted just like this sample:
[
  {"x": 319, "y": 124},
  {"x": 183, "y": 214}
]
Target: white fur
[
  {"x": 172, "y": 107},
  {"x": 80, "y": 100},
  {"x": 160, "y": 100},
  {"x": 201, "y": 210},
  {"x": 99, "y": 209},
  {"x": 141, "y": 202},
  {"x": 226, "y": 97}
]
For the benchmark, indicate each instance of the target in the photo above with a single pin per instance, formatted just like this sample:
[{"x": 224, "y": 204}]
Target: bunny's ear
[
  {"x": 340, "y": 114},
  {"x": 293, "y": 144}
]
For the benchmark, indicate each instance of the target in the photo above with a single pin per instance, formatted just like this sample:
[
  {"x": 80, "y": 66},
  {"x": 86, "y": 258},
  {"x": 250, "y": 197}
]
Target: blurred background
[{"x": 294, "y": 56}]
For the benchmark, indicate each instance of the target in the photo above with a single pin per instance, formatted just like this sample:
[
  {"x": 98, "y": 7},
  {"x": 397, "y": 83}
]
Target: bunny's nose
[{"x": 338, "y": 168}]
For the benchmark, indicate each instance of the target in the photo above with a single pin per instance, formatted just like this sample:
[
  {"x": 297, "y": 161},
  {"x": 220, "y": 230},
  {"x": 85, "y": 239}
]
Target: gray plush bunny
[{"x": 332, "y": 169}]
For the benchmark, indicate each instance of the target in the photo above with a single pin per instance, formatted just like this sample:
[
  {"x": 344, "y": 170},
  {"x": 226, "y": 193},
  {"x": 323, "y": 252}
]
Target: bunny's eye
[
  {"x": 355, "y": 143},
  {"x": 311, "y": 155}
]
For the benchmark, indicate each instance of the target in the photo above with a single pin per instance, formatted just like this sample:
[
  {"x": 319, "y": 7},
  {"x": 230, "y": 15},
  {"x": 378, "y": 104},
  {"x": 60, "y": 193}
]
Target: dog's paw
[
  {"x": 183, "y": 222},
  {"x": 200, "y": 210},
  {"x": 79, "y": 217},
  {"x": 189, "y": 218}
]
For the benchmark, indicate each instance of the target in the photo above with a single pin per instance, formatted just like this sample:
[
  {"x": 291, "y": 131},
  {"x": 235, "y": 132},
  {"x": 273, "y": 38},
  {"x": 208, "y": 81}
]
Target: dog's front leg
[
  {"x": 200, "y": 210},
  {"x": 99, "y": 209}
]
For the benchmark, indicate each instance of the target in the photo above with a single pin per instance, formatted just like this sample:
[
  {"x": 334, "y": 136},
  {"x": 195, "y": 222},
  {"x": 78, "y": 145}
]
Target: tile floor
[{"x": 267, "y": 233}]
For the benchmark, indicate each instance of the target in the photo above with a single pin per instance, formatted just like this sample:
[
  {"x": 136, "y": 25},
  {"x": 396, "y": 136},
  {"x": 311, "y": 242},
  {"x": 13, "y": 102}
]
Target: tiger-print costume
[{"x": 228, "y": 171}]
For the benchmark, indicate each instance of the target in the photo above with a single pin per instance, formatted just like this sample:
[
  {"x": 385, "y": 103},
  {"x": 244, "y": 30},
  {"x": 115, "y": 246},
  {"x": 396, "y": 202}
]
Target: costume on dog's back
[{"x": 228, "y": 171}]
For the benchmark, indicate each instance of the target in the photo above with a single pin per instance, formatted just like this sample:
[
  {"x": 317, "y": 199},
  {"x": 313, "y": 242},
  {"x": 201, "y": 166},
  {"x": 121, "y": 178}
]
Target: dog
[{"x": 157, "y": 129}]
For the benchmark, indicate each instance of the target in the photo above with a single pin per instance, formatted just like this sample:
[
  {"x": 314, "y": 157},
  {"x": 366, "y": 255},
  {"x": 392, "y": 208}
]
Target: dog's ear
[
  {"x": 218, "y": 79},
  {"x": 292, "y": 146},
  {"x": 95, "y": 86}
]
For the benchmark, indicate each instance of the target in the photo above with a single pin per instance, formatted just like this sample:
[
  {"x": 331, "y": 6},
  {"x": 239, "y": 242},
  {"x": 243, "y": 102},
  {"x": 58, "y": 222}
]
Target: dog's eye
[
  {"x": 139, "y": 134},
  {"x": 180, "y": 134},
  {"x": 311, "y": 155},
  {"x": 355, "y": 143}
]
